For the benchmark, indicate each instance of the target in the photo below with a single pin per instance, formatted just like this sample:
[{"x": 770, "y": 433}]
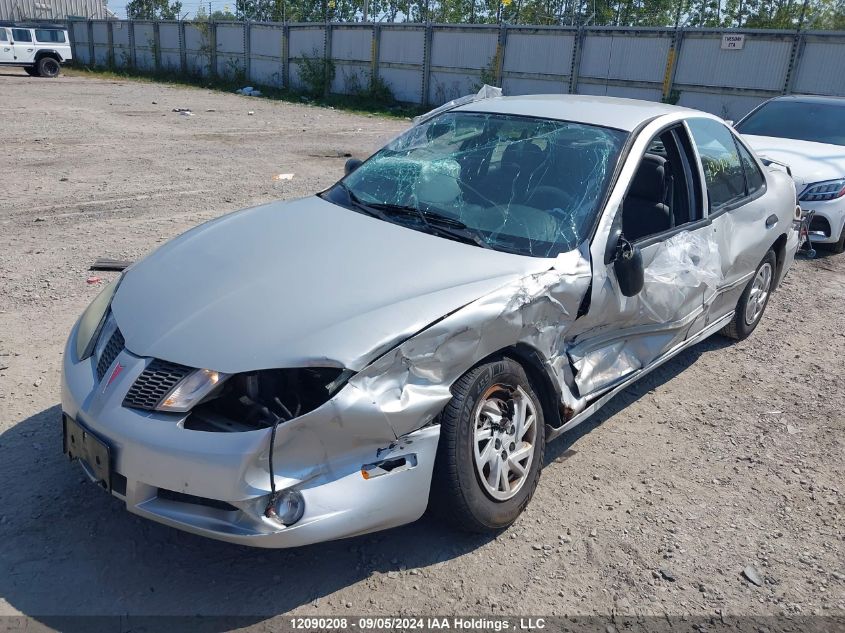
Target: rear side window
[
  {"x": 21, "y": 35},
  {"x": 3, "y": 37},
  {"x": 723, "y": 170},
  {"x": 753, "y": 177},
  {"x": 49, "y": 36}
]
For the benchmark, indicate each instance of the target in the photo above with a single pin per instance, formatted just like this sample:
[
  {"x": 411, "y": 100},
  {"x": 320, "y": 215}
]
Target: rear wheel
[
  {"x": 754, "y": 299},
  {"x": 32, "y": 71},
  {"x": 48, "y": 67},
  {"x": 492, "y": 436}
]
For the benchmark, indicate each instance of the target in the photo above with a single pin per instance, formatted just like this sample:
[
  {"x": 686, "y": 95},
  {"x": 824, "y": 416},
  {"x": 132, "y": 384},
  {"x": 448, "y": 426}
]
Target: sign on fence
[{"x": 733, "y": 42}]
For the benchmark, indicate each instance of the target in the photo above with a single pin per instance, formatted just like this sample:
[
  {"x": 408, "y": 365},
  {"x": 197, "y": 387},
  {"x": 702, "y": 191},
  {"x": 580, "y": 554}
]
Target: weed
[{"x": 316, "y": 73}]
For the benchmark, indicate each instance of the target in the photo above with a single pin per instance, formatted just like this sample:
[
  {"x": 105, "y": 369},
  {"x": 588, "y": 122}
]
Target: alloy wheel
[
  {"x": 504, "y": 438},
  {"x": 759, "y": 294}
]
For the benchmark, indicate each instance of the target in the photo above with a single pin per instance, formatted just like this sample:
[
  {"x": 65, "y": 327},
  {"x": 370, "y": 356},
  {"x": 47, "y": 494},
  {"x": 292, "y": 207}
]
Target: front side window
[
  {"x": 800, "y": 120},
  {"x": 662, "y": 194},
  {"x": 21, "y": 35},
  {"x": 518, "y": 184},
  {"x": 49, "y": 36},
  {"x": 753, "y": 176},
  {"x": 723, "y": 171}
]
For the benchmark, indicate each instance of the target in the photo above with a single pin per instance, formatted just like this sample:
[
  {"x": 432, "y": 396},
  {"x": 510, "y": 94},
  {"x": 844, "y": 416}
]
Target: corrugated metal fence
[
  {"x": 21, "y": 10},
  {"x": 431, "y": 64}
]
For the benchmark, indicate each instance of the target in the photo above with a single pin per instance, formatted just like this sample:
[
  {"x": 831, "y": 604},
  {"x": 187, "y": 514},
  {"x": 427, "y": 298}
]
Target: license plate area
[{"x": 81, "y": 444}]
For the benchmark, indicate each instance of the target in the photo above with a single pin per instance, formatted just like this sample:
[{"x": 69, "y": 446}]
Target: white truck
[{"x": 40, "y": 49}]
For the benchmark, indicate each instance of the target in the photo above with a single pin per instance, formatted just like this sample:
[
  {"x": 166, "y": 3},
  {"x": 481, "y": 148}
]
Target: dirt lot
[{"x": 731, "y": 455}]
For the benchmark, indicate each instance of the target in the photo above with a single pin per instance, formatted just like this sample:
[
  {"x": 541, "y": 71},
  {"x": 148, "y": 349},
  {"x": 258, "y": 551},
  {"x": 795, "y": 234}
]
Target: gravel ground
[{"x": 731, "y": 455}]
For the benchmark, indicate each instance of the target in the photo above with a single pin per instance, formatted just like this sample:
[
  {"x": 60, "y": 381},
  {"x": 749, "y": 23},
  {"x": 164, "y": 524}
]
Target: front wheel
[
  {"x": 754, "y": 299},
  {"x": 48, "y": 67},
  {"x": 492, "y": 437}
]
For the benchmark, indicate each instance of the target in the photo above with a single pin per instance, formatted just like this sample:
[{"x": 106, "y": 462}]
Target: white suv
[{"x": 40, "y": 49}]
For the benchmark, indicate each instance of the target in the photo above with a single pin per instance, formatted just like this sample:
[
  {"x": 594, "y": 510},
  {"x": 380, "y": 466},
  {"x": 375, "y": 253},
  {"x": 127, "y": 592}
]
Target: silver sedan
[{"x": 412, "y": 337}]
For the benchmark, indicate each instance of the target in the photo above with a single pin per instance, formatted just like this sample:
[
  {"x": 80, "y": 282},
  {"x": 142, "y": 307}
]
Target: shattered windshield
[{"x": 518, "y": 184}]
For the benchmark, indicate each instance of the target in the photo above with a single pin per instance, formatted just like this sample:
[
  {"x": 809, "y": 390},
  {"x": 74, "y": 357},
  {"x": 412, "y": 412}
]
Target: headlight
[
  {"x": 191, "y": 390},
  {"x": 826, "y": 190},
  {"x": 91, "y": 321}
]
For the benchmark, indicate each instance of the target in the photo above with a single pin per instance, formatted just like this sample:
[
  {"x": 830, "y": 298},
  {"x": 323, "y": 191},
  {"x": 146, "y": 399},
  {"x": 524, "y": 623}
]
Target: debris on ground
[
  {"x": 250, "y": 113},
  {"x": 106, "y": 263},
  {"x": 752, "y": 575},
  {"x": 93, "y": 280},
  {"x": 667, "y": 574},
  {"x": 283, "y": 177},
  {"x": 183, "y": 111},
  {"x": 248, "y": 91}
]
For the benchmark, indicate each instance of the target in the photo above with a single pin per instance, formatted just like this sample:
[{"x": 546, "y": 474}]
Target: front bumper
[
  {"x": 829, "y": 220},
  {"x": 218, "y": 484}
]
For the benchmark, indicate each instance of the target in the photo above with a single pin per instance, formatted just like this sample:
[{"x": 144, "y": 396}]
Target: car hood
[
  {"x": 302, "y": 283},
  {"x": 809, "y": 162}
]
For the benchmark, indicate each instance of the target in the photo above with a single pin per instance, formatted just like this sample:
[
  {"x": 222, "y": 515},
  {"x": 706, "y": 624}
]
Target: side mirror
[
  {"x": 629, "y": 269},
  {"x": 351, "y": 165}
]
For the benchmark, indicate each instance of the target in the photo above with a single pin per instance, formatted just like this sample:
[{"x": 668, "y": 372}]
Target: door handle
[
  {"x": 771, "y": 221},
  {"x": 29, "y": 50}
]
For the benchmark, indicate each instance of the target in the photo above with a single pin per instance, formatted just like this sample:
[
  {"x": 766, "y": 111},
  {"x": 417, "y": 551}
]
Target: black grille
[
  {"x": 818, "y": 223},
  {"x": 181, "y": 497},
  {"x": 154, "y": 383},
  {"x": 112, "y": 349}
]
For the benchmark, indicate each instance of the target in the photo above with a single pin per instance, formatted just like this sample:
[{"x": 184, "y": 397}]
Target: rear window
[
  {"x": 49, "y": 35},
  {"x": 21, "y": 35},
  {"x": 800, "y": 120}
]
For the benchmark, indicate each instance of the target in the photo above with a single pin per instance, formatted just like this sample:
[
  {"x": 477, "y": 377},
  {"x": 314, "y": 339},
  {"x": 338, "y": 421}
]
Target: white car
[
  {"x": 808, "y": 135},
  {"x": 40, "y": 48}
]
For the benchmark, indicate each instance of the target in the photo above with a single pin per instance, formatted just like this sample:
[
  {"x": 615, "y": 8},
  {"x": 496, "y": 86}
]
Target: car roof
[
  {"x": 840, "y": 101},
  {"x": 614, "y": 112},
  {"x": 33, "y": 25}
]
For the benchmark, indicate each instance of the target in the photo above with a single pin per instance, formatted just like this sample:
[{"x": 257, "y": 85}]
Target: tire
[
  {"x": 487, "y": 401},
  {"x": 32, "y": 71},
  {"x": 752, "y": 304},
  {"x": 49, "y": 67}
]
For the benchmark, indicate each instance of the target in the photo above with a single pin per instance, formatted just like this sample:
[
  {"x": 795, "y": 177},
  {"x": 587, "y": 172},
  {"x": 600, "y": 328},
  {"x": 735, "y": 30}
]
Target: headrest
[
  {"x": 650, "y": 179},
  {"x": 524, "y": 154}
]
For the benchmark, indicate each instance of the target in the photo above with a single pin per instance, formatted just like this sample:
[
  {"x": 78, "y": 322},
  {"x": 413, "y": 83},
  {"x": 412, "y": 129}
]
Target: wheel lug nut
[
  {"x": 512, "y": 447},
  {"x": 504, "y": 455}
]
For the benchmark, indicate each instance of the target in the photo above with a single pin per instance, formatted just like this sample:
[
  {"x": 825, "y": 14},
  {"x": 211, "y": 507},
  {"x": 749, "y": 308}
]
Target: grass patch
[{"x": 364, "y": 103}]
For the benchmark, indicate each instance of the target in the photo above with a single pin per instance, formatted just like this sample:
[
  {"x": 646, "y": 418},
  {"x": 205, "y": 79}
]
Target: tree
[
  {"x": 153, "y": 10},
  {"x": 201, "y": 15}
]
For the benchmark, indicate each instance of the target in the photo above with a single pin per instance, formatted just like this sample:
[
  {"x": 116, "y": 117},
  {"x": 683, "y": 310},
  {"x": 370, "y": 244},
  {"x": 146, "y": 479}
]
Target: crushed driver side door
[{"x": 661, "y": 210}]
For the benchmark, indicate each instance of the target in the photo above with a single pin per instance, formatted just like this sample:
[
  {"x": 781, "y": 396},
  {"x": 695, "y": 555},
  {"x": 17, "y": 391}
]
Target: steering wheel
[{"x": 547, "y": 197}]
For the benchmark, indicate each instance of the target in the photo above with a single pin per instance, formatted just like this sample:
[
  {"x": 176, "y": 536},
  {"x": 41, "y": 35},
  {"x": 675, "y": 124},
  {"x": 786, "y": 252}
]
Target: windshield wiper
[
  {"x": 436, "y": 223},
  {"x": 361, "y": 205}
]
